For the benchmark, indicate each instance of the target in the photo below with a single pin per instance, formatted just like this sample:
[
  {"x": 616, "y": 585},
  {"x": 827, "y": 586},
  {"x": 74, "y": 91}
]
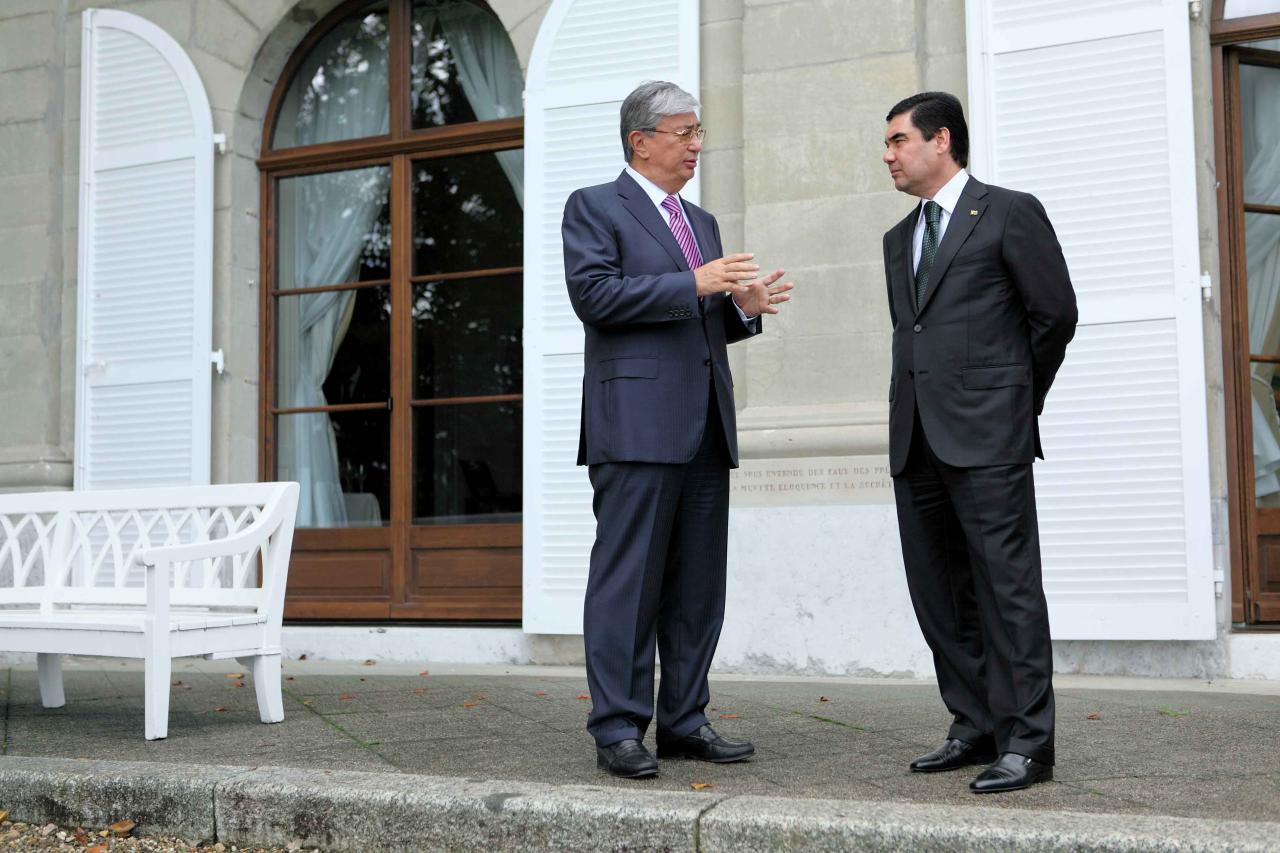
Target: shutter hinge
[
  {"x": 1206, "y": 287},
  {"x": 220, "y": 143},
  {"x": 1196, "y": 8},
  {"x": 218, "y": 360},
  {"x": 1219, "y": 581}
]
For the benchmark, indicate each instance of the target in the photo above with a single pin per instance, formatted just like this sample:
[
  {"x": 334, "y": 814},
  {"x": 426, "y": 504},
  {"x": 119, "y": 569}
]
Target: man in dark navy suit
[
  {"x": 659, "y": 301},
  {"x": 982, "y": 309}
]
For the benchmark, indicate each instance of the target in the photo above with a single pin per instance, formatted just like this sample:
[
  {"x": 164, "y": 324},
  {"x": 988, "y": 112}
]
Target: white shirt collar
[
  {"x": 655, "y": 193},
  {"x": 949, "y": 196}
]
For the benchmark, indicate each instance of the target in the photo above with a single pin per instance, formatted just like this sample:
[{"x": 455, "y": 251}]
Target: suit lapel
[
  {"x": 969, "y": 210},
  {"x": 906, "y": 276},
  {"x": 638, "y": 204}
]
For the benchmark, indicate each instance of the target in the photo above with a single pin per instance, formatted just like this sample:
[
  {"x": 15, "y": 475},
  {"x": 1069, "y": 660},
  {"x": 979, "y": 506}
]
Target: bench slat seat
[{"x": 152, "y": 574}]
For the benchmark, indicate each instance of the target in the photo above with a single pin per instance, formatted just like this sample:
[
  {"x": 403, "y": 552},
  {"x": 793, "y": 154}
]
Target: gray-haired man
[{"x": 658, "y": 431}]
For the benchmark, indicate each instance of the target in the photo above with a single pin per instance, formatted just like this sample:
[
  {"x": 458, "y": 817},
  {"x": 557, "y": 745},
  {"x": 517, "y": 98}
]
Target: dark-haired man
[{"x": 982, "y": 309}]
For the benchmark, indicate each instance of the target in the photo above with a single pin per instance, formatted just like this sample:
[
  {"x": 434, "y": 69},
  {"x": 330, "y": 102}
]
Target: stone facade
[{"x": 794, "y": 93}]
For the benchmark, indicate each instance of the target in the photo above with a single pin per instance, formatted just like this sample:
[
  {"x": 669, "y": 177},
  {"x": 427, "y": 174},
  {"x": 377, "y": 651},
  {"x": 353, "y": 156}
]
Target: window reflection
[{"x": 341, "y": 90}]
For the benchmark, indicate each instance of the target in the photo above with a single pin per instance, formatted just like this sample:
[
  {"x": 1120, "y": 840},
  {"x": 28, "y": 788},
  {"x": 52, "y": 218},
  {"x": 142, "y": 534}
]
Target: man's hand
[
  {"x": 726, "y": 275},
  {"x": 764, "y": 295}
]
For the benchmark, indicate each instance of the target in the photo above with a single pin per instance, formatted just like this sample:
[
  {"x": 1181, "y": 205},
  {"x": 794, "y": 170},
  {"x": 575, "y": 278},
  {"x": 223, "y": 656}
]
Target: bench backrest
[{"x": 82, "y": 548}]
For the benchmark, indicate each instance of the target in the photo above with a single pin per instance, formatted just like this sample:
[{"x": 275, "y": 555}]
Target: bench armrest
[{"x": 253, "y": 536}]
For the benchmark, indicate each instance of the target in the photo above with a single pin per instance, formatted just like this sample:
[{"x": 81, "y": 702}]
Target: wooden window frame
[
  {"x": 1241, "y": 499},
  {"x": 391, "y": 548}
]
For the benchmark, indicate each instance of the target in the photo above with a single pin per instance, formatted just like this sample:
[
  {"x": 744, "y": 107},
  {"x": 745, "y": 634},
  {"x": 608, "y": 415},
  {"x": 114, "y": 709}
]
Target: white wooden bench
[{"x": 149, "y": 573}]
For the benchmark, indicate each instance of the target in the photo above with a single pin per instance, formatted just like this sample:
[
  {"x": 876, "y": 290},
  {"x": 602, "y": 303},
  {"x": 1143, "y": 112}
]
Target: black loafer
[
  {"x": 953, "y": 754},
  {"x": 705, "y": 745},
  {"x": 626, "y": 759},
  {"x": 1011, "y": 772}
]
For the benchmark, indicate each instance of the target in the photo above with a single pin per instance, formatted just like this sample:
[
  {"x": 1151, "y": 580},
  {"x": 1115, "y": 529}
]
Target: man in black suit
[
  {"x": 982, "y": 309},
  {"x": 658, "y": 431}
]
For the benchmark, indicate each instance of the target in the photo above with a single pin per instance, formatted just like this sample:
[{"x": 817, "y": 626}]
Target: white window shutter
[
  {"x": 144, "y": 324},
  {"x": 588, "y": 56},
  {"x": 1088, "y": 106}
]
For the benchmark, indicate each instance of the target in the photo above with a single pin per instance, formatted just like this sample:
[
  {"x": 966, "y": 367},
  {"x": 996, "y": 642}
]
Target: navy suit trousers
[{"x": 657, "y": 578}]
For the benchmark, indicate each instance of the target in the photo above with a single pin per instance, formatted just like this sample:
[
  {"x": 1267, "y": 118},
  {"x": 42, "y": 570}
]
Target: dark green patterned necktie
[{"x": 928, "y": 248}]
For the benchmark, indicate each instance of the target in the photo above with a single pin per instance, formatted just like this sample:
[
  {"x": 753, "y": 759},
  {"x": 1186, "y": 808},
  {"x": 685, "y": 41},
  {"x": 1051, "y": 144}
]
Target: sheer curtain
[
  {"x": 325, "y": 220},
  {"x": 1260, "y": 108},
  {"x": 489, "y": 73}
]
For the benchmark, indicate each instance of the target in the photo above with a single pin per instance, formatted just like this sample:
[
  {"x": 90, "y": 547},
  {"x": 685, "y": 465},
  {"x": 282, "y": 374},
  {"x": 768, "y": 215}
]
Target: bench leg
[
  {"x": 158, "y": 672},
  {"x": 266, "y": 684},
  {"x": 49, "y": 669}
]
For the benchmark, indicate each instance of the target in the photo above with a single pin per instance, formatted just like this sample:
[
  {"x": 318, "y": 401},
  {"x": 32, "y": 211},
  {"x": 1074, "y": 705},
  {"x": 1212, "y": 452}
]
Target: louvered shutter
[
  {"x": 145, "y": 260},
  {"x": 588, "y": 56},
  {"x": 1088, "y": 106}
]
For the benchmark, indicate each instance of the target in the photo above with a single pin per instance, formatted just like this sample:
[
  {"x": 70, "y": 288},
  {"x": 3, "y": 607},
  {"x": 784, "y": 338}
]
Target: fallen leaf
[
  {"x": 540, "y": 693},
  {"x": 1093, "y": 716},
  {"x": 81, "y": 836},
  {"x": 345, "y": 696},
  {"x": 97, "y": 848},
  {"x": 470, "y": 704},
  {"x": 102, "y": 833},
  {"x": 302, "y": 657},
  {"x": 699, "y": 786},
  {"x": 306, "y": 702},
  {"x": 730, "y": 716},
  {"x": 364, "y": 679},
  {"x": 177, "y": 684},
  {"x": 584, "y": 696},
  {"x": 419, "y": 690},
  {"x": 234, "y": 675},
  {"x": 370, "y": 662},
  {"x": 823, "y": 699},
  {"x": 424, "y": 672},
  {"x": 289, "y": 678},
  {"x": 219, "y": 710},
  {"x": 4, "y": 815},
  {"x": 237, "y": 684},
  {"x": 122, "y": 827}
]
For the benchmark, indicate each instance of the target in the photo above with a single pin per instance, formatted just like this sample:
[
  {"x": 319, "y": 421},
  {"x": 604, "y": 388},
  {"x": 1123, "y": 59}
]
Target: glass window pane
[
  {"x": 340, "y": 91},
  {"x": 464, "y": 67},
  {"x": 342, "y": 460},
  {"x": 466, "y": 215},
  {"x": 1260, "y": 133},
  {"x": 466, "y": 337},
  {"x": 333, "y": 347},
  {"x": 333, "y": 228},
  {"x": 467, "y": 463},
  {"x": 1245, "y": 8}
]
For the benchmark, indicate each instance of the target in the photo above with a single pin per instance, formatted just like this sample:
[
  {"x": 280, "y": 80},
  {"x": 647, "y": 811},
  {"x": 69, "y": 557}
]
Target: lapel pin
[{"x": 973, "y": 213}]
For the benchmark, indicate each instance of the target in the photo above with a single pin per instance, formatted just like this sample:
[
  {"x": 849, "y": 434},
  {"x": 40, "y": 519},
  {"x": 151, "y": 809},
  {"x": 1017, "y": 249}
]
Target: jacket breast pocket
[
  {"x": 995, "y": 376},
  {"x": 635, "y": 367}
]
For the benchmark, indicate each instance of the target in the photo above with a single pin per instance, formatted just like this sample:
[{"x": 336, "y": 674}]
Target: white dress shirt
[
  {"x": 947, "y": 198},
  {"x": 658, "y": 195}
]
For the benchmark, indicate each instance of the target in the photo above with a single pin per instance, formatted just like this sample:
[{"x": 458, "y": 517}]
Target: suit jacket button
[
  {"x": 706, "y": 362},
  {"x": 917, "y": 328}
]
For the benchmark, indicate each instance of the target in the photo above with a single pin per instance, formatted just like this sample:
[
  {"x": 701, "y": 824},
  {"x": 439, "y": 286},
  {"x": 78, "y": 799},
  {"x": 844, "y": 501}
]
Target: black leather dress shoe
[
  {"x": 1011, "y": 772},
  {"x": 952, "y": 755},
  {"x": 705, "y": 745},
  {"x": 627, "y": 759}
]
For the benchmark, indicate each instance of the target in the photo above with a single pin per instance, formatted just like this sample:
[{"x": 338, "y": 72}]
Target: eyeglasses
[{"x": 684, "y": 134}]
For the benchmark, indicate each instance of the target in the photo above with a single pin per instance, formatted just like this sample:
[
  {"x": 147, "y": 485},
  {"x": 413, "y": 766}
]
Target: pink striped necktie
[{"x": 680, "y": 230}]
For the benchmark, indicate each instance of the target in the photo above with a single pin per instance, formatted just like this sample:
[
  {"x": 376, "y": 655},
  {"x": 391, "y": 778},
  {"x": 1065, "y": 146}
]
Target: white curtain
[
  {"x": 325, "y": 220},
  {"x": 1260, "y": 108},
  {"x": 488, "y": 71}
]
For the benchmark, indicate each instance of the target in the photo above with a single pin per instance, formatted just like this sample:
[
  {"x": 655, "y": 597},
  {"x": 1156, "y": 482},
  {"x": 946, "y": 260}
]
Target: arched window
[{"x": 392, "y": 241}]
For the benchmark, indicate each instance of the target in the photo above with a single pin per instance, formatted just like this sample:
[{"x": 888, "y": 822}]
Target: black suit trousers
[
  {"x": 657, "y": 577},
  {"x": 971, "y": 547}
]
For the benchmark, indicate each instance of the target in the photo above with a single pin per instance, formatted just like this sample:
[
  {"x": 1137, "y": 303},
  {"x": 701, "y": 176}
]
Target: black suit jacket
[
  {"x": 651, "y": 350},
  {"x": 979, "y": 356}
]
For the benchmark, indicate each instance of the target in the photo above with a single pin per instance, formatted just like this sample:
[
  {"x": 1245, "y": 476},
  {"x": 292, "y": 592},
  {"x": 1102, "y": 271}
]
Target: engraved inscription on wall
[{"x": 812, "y": 480}]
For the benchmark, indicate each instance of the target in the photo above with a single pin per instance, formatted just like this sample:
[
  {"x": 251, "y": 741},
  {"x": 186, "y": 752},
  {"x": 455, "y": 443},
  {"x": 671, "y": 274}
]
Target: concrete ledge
[
  {"x": 343, "y": 810},
  {"x": 747, "y": 824},
  {"x": 161, "y": 798}
]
